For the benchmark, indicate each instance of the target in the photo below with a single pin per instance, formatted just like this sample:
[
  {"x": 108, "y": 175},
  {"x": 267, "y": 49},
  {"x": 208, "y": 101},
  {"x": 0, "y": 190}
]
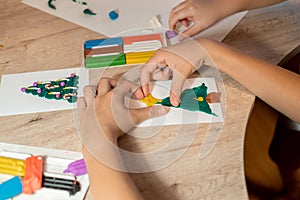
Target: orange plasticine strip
[
  {"x": 140, "y": 38},
  {"x": 33, "y": 174}
]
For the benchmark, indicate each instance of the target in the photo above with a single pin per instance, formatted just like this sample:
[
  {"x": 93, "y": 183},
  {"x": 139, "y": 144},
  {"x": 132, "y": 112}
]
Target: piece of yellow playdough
[{"x": 150, "y": 100}]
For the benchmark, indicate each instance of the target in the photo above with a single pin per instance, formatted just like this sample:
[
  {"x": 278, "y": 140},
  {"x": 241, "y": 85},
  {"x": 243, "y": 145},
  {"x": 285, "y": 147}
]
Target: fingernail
[
  {"x": 139, "y": 94},
  {"x": 174, "y": 101},
  {"x": 145, "y": 90}
]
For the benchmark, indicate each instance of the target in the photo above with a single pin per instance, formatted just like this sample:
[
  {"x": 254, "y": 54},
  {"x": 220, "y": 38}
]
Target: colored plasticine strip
[
  {"x": 105, "y": 61},
  {"x": 61, "y": 182},
  {"x": 77, "y": 168},
  {"x": 103, "y": 43},
  {"x": 103, "y": 51},
  {"x": 143, "y": 46},
  {"x": 138, "y": 57},
  {"x": 131, "y": 39},
  {"x": 12, "y": 166},
  {"x": 10, "y": 188},
  {"x": 32, "y": 180}
]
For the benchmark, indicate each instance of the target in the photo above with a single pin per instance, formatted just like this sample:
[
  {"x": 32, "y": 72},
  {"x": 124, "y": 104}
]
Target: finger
[
  {"x": 178, "y": 7},
  {"x": 176, "y": 88},
  {"x": 124, "y": 87},
  {"x": 138, "y": 93},
  {"x": 167, "y": 73},
  {"x": 178, "y": 16},
  {"x": 163, "y": 74},
  {"x": 142, "y": 114},
  {"x": 185, "y": 22},
  {"x": 89, "y": 94},
  {"x": 120, "y": 103},
  {"x": 146, "y": 73},
  {"x": 172, "y": 20},
  {"x": 105, "y": 85}
]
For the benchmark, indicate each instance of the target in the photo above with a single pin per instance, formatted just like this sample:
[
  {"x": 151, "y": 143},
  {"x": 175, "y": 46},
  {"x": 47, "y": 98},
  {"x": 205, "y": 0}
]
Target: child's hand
[
  {"x": 104, "y": 115},
  {"x": 201, "y": 13},
  {"x": 176, "y": 62}
]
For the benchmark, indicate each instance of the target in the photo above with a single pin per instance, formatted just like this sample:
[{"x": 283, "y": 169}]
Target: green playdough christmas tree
[
  {"x": 61, "y": 89},
  {"x": 195, "y": 99}
]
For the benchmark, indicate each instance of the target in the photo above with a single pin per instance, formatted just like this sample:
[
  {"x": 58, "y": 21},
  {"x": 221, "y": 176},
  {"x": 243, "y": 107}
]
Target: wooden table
[{"x": 33, "y": 41}]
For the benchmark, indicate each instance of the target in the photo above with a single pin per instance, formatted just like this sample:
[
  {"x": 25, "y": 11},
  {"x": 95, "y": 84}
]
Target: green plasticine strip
[{"x": 105, "y": 61}]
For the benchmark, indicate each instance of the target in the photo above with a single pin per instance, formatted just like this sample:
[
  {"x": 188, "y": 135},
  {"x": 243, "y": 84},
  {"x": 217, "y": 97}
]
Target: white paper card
[
  {"x": 134, "y": 16},
  {"x": 161, "y": 90},
  {"x": 14, "y": 102}
]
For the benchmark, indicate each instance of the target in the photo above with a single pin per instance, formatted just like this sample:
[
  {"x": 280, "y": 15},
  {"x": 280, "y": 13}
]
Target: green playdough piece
[
  {"x": 88, "y": 12},
  {"x": 51, "y": 5},
  {"x": 188, "y": 101}
]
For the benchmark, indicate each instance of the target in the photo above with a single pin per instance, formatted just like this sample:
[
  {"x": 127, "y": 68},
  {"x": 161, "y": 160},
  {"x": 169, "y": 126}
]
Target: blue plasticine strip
[
  {"x": 10, "y": 188},
  {"x": 103, "y": 42}
]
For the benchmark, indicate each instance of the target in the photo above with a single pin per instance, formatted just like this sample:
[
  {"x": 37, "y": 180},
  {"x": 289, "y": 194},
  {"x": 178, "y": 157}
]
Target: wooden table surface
[{"x": 33, "y": 41}]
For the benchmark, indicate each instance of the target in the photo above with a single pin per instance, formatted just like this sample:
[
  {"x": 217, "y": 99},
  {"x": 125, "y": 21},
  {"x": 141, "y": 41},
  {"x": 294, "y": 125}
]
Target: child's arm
[
  {"x": 204, "y": 13},
  {"x": 276, "y": 86},
  {"x": 109, "y": 183},
  {"x": 103, "y": 118}
]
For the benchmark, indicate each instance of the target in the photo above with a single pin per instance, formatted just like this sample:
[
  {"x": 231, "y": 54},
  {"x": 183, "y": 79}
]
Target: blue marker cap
[
  {"x": 113, "y": 15},
  {"x": 10, "y": 188}
]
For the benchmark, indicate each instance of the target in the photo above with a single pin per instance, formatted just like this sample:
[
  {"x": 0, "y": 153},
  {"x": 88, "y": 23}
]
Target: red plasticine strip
[
  {"x": 32, "y": 180},
  {"x": 77, "y": 168},
  {"x": 131, "y": 39}
]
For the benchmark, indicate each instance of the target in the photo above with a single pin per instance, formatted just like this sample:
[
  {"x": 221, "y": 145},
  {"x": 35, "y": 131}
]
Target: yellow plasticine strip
[
  {"x": 138, "y": 57},
  {"x": 12, "y": 166}
]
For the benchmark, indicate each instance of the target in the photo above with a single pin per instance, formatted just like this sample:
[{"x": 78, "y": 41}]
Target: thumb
[
  {"x": 141, "y": 114},
  {"x": 176, "y": 88}
]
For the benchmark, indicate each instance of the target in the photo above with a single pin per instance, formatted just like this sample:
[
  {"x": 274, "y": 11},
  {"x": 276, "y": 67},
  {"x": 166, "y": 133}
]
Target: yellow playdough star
[{"x": 150, "y": 100}]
